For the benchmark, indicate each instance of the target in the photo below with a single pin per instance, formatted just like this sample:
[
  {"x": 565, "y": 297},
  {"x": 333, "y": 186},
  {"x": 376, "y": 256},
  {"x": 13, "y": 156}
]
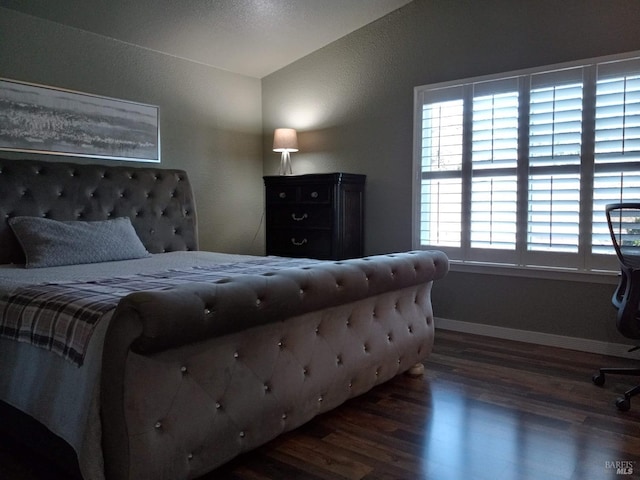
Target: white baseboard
[{"x": 572, "y": 343}]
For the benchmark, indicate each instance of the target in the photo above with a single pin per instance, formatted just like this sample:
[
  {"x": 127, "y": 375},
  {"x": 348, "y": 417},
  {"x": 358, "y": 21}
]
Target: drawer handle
[
  {"x": 299, "y": 219},
  {"x": 300, "y": 243},
  {"x": 282, "y": 195},
  {"x": 314, "y": 194}
]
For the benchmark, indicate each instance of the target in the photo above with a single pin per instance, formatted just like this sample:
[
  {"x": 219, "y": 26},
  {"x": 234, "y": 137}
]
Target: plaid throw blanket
[{"x": 61, "y": 317}]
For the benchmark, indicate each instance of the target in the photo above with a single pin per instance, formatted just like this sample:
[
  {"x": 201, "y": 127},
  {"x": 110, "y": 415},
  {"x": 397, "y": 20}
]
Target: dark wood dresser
[{"x": 315, "y": 216}]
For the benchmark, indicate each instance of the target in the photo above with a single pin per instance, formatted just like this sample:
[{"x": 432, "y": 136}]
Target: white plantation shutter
[
  {"x": 555, "y": 140},
  {"x": 616, "y": 144},
  {"x": 493, "y": 212},
  {"x": 553, "y": 220},
  {"x": 442, "y": 136},
  {"x": 494, "y": 159},
  {"x": 617, "y": 114},
  {"x": 495, "y": 125},
  {"x": 441, "y": 222},
  {"x": 518, "y": 169},
  {"x": 611, "y": 187},
  {"x": 441, "y": 163}
]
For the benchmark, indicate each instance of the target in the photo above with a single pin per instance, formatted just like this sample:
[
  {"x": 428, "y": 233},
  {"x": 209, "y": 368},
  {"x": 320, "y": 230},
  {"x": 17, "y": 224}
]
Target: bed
[{"x": 151, "y": 359}]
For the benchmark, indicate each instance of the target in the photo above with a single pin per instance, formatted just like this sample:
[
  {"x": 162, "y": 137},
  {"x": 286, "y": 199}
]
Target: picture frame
[{"x": 49, "y": 120}]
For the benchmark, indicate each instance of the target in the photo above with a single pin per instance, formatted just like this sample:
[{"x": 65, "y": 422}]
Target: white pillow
[{"x": 48, "y": 243}]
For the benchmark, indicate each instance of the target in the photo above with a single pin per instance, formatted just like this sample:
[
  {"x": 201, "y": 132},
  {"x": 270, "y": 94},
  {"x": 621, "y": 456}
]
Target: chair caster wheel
[
  {"x": 623, "y": 404},
  {"x": 598, "y": 379}
]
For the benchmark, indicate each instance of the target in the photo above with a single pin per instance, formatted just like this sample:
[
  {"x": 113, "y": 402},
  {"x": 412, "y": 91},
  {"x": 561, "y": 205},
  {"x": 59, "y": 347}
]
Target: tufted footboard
[{"x": 196, "y": 375}]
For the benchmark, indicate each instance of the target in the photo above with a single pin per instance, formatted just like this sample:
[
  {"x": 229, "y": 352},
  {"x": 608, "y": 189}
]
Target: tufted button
[
  {"x": 236, "y": 354},
  {"x": 242, "y": 434},
  {"x": 284, "y": 416},
  {"x": 280, "y": 344},
  {"x": 410, "y": 328},
  {"x": 339, "y": 360},
  {"x": 267, "y": 388},
  {"x": 258, "y": 302},
  {"x": 190, "y": 456},
  {"x": 365, "y": 347},
  {"x": 207, "y": 311},
  {"x": 320, "y": 398},
  {"x": 183, "y": 369},
  {"x": 218, "y": 406},
  {"x": 158, "y": 424}
]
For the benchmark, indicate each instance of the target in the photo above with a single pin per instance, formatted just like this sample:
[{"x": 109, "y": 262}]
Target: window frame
[{"x": 581, "y": 265}]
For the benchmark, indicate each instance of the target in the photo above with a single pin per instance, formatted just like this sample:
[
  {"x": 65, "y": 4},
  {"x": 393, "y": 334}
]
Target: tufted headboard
[{"x": 158, "y": 201}]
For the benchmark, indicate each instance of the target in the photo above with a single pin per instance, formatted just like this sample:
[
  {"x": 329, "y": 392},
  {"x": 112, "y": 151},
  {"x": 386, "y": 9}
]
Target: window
[{"x": 517, "y": 169}]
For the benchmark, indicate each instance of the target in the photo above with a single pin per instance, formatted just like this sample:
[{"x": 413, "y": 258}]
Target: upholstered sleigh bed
[{"x": 179, "y": 360}]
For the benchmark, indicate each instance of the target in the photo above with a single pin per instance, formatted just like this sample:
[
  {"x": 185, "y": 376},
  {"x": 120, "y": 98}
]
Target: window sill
[{"x": 566, "y": 274}]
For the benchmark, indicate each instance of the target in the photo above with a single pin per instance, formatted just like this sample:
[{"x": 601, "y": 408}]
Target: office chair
[{"x": 623, "y": 220}]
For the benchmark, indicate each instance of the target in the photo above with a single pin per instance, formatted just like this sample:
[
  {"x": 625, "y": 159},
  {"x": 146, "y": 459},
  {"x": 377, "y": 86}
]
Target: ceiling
[{"x": 250, "y": 37}]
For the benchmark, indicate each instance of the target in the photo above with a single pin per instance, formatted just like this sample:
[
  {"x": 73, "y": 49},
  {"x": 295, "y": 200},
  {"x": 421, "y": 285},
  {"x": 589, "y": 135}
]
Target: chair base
[{"x": 623, "y": 403}]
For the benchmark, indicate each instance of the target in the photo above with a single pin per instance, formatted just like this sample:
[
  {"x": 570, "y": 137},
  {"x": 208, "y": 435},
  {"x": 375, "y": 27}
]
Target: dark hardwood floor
[{"x": 486, "y": 409}]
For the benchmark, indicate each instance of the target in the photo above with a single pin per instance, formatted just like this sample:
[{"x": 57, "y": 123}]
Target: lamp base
[{"x": 285, "y": 164}]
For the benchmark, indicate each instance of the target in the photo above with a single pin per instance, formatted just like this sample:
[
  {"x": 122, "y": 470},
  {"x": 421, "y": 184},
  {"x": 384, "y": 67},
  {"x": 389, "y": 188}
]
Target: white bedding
[
  {"x": 32, "y": 378},
  {"x": 12, "y": 276}
]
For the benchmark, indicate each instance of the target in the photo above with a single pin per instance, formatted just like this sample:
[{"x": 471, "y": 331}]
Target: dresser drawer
[
  {"x": 291, "y": 242},
  {"x": 300, "y": 215},
  {"x": 282, "y": 194},
  {"x": 316, "y": 193},
  {"x": 286, "y": 194}
]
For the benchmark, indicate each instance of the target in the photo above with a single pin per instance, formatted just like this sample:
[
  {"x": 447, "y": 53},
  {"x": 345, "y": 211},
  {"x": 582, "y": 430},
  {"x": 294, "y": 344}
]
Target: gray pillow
[{"x": 48, "y": 243}]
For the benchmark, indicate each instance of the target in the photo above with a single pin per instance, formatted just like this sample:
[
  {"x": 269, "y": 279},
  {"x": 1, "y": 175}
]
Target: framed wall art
[{"x": 42, "y": 119}]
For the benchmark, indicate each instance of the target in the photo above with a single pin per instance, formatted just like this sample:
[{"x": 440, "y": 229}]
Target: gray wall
[
  {"x": 352, "y": 103},
  {"x": 210, "y": 119}
]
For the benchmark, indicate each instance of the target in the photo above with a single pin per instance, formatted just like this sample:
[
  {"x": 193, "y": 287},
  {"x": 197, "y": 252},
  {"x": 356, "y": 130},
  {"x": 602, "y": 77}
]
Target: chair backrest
[{"x": 623, "y": 220}]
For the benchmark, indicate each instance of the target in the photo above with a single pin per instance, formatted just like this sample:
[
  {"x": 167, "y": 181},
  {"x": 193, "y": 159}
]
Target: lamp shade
[{"x": 285, "y": 140}]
